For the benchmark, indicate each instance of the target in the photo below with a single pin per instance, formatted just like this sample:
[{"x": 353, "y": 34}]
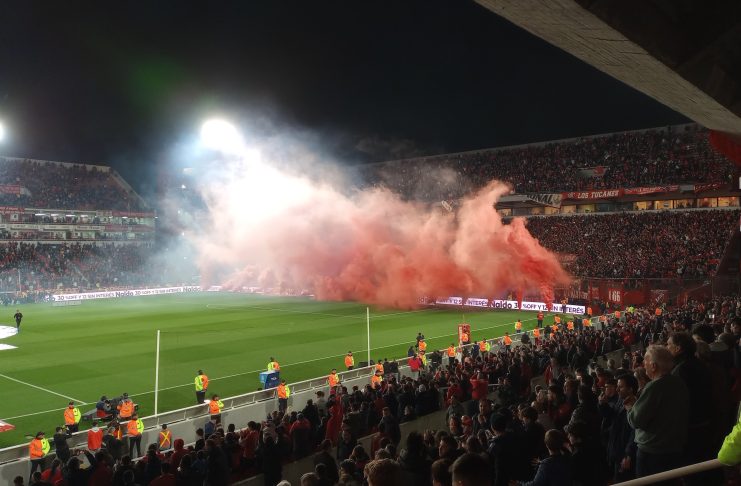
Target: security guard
[
  {"x": 214, "y": 407},
  {"x": 507, "y": 341},
  {"x": 201, "y": 383},
  {"x": 283, "y": 392},
  {"x": 125, "y": 409},
  {"x": 72, "y": 418},
  {"x": 518, "y": 326},
  {"x": 349, "y": 361},
  {"x": 333, "y": 379},
  {"x": 273, "y": 365},
  {"x": 164, "y": 441},
  {"x": 451, "y": 353},
  {"x": 38, "y": 449},
  {"x": 134, "y": 429}
]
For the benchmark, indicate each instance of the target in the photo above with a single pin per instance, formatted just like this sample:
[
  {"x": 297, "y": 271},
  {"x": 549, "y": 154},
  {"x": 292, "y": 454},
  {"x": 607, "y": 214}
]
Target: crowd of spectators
[
  {"x": 641, "y": 158},
  {"x": 62, "y": 186},
  {"x": 37, "y": 267},
  {"x": 666, "y": 244},
  {"x": 669, "y": 401}
]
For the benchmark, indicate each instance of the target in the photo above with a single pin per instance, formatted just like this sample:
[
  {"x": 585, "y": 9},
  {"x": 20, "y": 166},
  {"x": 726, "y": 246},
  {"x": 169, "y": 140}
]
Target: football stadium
[{"x": 233, "y": 294}]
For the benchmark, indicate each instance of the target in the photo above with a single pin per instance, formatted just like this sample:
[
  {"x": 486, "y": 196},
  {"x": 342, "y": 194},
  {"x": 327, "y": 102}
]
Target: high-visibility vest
[
  {"x": 376, "y": 381},
  {"x": 349, "y": 361},
  {"x": 482, "y": 345},
  {"x": 422, "y": 346},
  {"x": 164, "y": 439},
  {"x": 283, "y": 391},
  {"x": 570, "y": 325},
  {"x": 379, "y": 367},
  {"x": 424, "y": 359},
  {"x": 507, "y": 340},
  {"x": 273, "y": 366},
  {"x": 71, "y": 415},
  {"x": 126, "y": 409},
  {"x": 536, "y": 332},
  {"x": 201, "y": 382},
  {"x": 518, "y": 326},
  {"x": 586, "y": 322},
  {"x": 554, "y": 328},
  {"x": 451, "y": 352},
  {"x": 215, "y": 406},
  {"x": 333, "y": 379},
  {"x": 488, "y": 346},
  {"x": 134, "y": 427},
  {"x": 38, "y": 448}
]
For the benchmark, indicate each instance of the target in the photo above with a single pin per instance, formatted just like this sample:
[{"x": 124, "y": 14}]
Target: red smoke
[{"x": 373, "y": 247}]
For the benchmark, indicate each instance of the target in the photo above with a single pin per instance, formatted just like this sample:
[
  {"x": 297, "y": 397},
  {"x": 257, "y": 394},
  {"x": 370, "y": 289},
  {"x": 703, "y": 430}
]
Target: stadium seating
[
  {"x": 42, "y": 184},
  {"x": 659, "y": 244},
  {"x": 641, "y": 158}
]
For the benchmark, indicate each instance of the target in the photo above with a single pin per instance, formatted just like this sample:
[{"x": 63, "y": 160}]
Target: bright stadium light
[
  {"x": 2, "y": 131},
  {"x": 222, "y": 136}
]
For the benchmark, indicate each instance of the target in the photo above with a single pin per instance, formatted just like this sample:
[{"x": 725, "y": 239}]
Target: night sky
[{"x": 120, "y": 84}]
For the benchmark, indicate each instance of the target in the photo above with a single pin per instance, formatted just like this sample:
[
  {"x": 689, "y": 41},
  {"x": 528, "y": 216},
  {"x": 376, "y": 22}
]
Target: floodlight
[
  {"x": 222, "y": 136},
  {"x": 2, "y": 132}
]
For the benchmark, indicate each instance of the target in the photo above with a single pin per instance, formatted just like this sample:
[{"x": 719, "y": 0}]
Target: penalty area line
[{"x": 41, "y": 388}]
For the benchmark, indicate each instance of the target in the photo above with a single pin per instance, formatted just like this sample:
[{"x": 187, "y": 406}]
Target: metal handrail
[{"x": 674, "y": 473}]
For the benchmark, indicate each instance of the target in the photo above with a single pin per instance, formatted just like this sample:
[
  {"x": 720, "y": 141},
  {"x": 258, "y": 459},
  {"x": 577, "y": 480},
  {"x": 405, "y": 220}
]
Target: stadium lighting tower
[{"x": 222, "y": 136}]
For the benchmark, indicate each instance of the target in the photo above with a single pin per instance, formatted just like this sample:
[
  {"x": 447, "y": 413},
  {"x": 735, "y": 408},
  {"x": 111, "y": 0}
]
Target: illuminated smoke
[{"x": 270, "y": 228}]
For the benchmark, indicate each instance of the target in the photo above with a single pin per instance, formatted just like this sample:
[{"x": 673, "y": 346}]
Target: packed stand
[
  {"x": 667, "y": 244},
  {"x": 39, "y": 267},
  {"x": 643, "y": 158},
  {"x": 669, "y": 401},
  {"x": 56, "y": 186}
]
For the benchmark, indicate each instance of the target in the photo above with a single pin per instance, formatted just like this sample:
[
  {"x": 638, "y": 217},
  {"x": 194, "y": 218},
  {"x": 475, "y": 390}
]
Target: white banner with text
[
  {"x": 510, "y": 304},
  {"x": 115, "y": 294}
]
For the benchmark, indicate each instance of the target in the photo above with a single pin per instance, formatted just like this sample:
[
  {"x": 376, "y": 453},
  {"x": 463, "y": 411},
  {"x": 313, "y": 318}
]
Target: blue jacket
[{"x": 552, "y": 471}]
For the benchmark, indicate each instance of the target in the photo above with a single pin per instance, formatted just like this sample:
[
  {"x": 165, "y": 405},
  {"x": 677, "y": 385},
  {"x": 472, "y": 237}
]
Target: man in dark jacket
[
  {"x": 620, "y": 444},
  {"x": 553, "y": 470},
  {"x": 696, "y": 377},
  {"x": 502, "y": 451}
]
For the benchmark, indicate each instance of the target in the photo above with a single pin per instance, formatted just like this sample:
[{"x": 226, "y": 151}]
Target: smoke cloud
[{"x": 272, "y": 228}]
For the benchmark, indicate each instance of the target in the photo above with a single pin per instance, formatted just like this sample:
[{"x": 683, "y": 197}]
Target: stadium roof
[{"x": 684, "y": 54}]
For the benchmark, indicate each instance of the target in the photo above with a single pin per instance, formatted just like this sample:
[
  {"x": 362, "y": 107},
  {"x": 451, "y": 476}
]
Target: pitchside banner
[
  {"x": 114, "y": 294},
  {"x": 511, "y": 304}
]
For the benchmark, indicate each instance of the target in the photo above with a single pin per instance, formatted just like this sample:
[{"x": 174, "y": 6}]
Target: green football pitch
[{"x": 107, "y": 347}]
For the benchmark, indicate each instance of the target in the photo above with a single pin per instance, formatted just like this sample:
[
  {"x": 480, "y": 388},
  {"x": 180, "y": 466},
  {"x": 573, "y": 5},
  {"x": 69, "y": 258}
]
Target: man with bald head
[{"x": 660, "y": 415}]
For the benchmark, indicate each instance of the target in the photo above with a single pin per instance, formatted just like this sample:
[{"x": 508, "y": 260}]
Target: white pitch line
[
  {"x": 42, "y": 389},
  {"x": 346, "y": 316},
  {"x": 282, "y": 366}
]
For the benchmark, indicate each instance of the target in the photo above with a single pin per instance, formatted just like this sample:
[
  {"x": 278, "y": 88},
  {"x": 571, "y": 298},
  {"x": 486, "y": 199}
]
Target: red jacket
[
  {"x": 479, "y": 389},
  {"x": 415, "y": 363}
]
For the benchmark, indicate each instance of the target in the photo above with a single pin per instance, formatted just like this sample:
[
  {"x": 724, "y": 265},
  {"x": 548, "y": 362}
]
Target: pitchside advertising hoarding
[
  {"x": 510, "y": 305},
  {"x": 114, "y": 294}
]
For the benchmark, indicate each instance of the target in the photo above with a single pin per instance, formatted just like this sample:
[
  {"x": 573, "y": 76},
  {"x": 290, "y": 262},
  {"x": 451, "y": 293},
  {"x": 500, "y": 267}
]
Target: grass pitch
[{"x": 107, "y": 347}]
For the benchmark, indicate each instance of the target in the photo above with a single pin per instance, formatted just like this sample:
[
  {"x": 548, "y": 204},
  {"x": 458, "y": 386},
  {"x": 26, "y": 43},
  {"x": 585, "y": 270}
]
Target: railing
[{"x": 674, "y": 473}]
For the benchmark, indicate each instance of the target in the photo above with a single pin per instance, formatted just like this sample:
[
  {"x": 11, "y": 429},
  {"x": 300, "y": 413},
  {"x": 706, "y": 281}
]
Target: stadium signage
[
  {"x": 115, "y": 294},
  {"x": 510, "y": 304},
  {"x": 604, "y": 194},
  {"x": 639, "y": 191},
  {"x": 473, "y": 302}
]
